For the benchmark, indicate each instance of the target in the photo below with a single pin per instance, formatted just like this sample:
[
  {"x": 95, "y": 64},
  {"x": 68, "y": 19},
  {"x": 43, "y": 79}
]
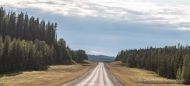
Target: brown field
[
  {"x": 139, "y": 77},
  {"x": 53, "y": 76}
]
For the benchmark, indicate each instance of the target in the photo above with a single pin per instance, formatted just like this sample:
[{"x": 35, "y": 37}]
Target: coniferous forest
[
  {"x": 29, "y": 44},
  {"x": 171, "y": 62}
]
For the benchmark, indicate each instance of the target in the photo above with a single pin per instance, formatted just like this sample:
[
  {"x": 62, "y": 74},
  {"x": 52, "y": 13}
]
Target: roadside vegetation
[
  {"x": 26, "y": 43},
  {"x": 139, "y": 77},
  {"x": 55, "y": 75},
  {"x": 171, "y": 62}
]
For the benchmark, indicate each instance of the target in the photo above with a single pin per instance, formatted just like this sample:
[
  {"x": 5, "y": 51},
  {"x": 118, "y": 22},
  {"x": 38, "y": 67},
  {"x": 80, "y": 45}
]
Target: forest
[
  {"x": 26, "y": 43},
  {"x": 171, "y": 62}
]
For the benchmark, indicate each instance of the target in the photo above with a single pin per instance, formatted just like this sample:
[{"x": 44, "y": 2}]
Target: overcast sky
[{"x": 108, "y": 26}]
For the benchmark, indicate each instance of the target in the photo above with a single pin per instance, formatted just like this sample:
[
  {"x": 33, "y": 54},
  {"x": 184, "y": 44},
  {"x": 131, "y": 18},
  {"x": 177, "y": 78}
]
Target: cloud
[
  {"x": 126, "y": 10},
  {"x": 183, "y": 28},
  {"x": 97, "y": 53}
]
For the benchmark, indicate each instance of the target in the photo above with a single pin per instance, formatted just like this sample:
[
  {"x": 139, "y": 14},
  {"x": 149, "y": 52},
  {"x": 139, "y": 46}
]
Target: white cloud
[
  {"x": 127, "y": 10},
  {"x": 183, "y": 28},
  {"x": 97, "y": 53}
]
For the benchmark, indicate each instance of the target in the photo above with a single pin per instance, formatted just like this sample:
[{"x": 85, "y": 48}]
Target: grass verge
[
  {"x": 139, "y": 77},
  {"x": 53, "y": 76},
  {"x": 83, "y": 72}
]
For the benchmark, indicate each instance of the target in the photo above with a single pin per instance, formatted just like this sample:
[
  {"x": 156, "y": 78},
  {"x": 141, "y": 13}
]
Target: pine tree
[
  {"x": 186, "y": 69},
  {"x": 5, "y": 56}
]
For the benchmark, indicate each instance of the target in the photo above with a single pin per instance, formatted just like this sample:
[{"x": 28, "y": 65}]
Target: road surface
[{"x": 98, "y": 76}]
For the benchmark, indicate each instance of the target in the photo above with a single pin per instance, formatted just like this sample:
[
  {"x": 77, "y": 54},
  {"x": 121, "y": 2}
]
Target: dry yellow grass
[
  {"x": 55, "y": 75},
  {"x": 138, "y": 77}
]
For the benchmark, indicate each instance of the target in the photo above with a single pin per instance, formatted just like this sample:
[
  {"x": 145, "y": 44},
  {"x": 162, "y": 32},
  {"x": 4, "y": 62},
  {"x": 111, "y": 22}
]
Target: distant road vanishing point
[{"x": 98, "y": 76}]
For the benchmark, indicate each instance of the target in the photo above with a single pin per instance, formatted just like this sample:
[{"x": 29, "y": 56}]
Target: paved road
[{"x": 98, "y": 76}]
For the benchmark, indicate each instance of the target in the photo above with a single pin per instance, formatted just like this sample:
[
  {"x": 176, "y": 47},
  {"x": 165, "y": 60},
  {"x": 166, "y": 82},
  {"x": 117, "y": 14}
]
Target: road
[{"x": 98, "y": 76}]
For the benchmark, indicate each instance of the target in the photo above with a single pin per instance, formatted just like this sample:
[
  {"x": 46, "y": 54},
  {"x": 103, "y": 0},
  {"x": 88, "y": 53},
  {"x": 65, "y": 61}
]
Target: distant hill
[{"x": 101, "y": 58}]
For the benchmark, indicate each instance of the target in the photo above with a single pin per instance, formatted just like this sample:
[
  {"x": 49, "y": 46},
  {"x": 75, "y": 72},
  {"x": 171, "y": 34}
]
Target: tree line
[
  {"x": 23, "y": 27},
  {"x": 28, "y": 44},
  {"x": 78, "y": 56},
  {"x": 170, "y": 62}
]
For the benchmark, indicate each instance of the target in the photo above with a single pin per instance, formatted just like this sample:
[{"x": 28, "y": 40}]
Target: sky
[{"x": 105, "y": 27}]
